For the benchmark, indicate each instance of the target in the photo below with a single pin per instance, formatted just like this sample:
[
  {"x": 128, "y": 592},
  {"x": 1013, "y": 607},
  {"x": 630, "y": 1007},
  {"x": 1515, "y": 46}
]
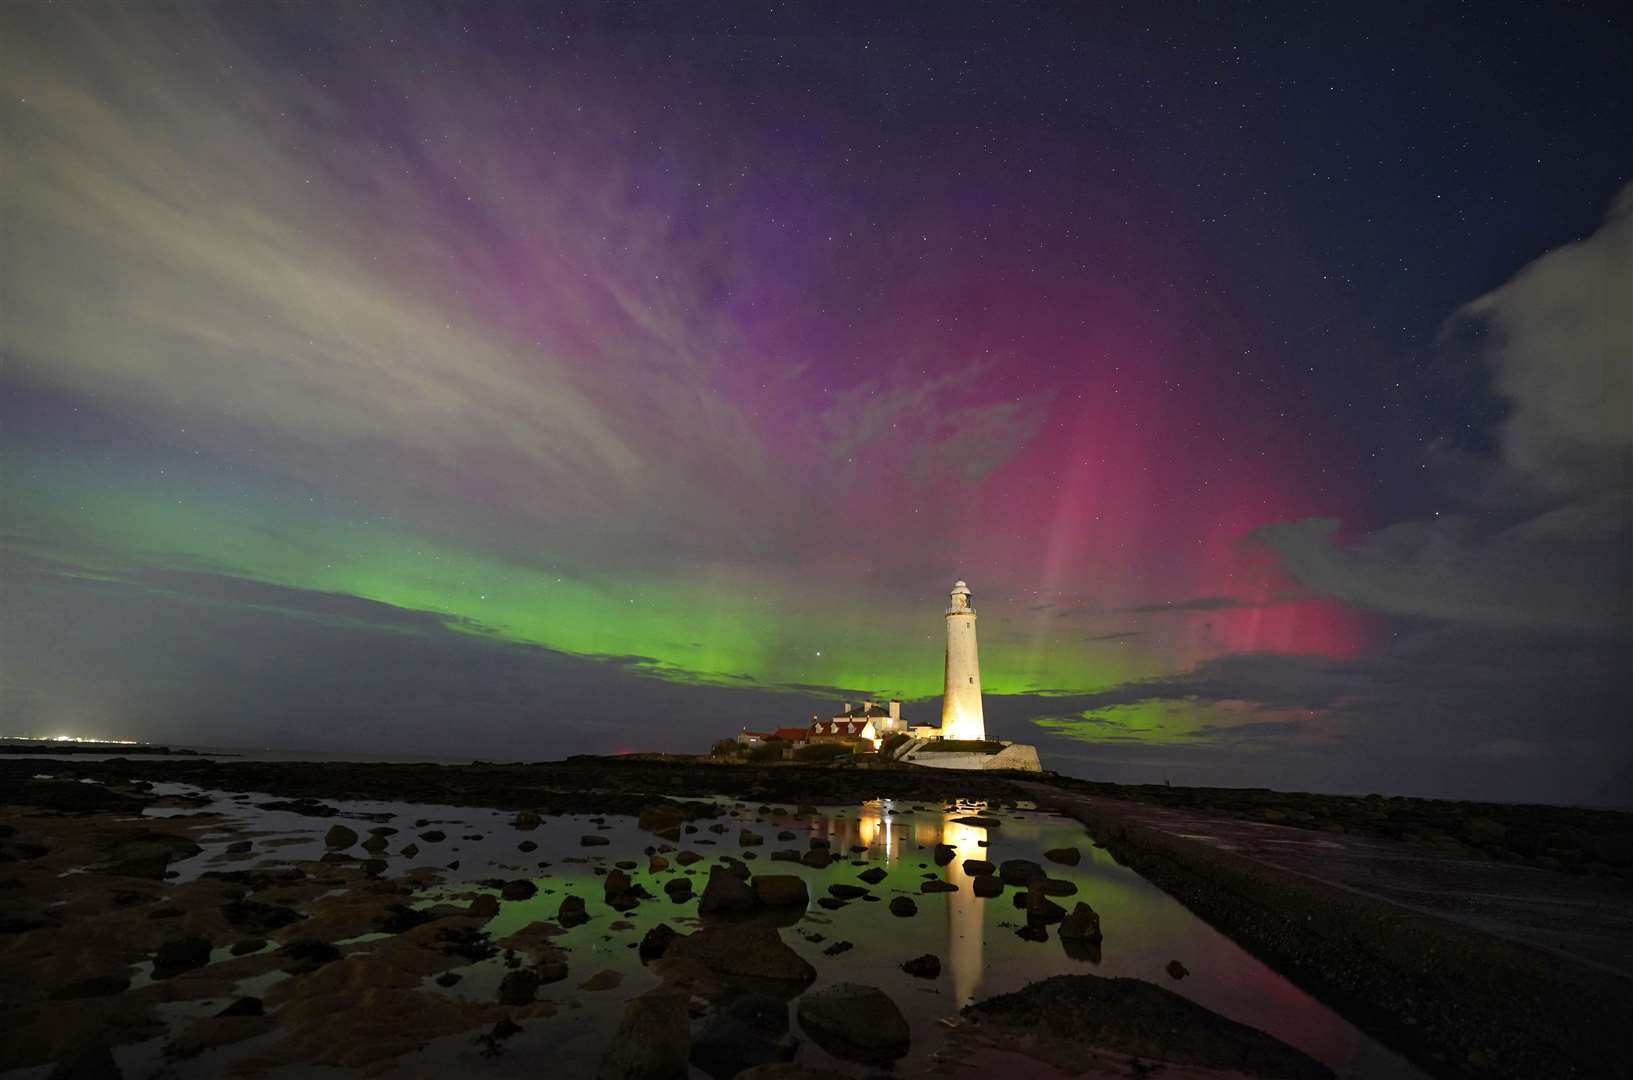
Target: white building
[{"x": 961, "y": 716}]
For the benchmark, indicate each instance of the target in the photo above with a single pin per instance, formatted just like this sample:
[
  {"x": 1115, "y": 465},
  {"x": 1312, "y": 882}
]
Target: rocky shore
[{"x": 1459, "y": 1001}]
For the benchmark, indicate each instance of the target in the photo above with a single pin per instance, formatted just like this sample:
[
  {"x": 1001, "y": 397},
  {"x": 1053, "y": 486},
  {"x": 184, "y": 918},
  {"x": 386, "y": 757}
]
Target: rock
[
  {"x": 1083, "y": 924},
  {"x": 527, "y": 845},
  {"x": 572, "y": 912},
  {"x": 95, "y": 986},
  {"x": 653, "y": 1041},
  {"x": 306, "y": 955},
  {"x": 687, "y": 858},
  {"x": 433, "y": 836},
  {"x": 749, "y": 839},
  {"x": 1054, "y": 886},
  {"x": 1133, "y": 1018},
  {"x": 1068, "y": 856},
  {"x": 726, "y": 1046},
  {"x": 1033, "y": 932},
  {"x": 409, "y": 851},
  {"x": 978, "y": 867},
  {"x": 781, "y": 890},
  {"x": 817, "y": 858},
  {"x": 724, "y": 894},
  {"x": 785, "y": 834},
  {"x": 856, "y": 1023},
  {"x": 656, "y": 942},
  {"x": 181, "y": 954},
  {"x": 1177, "y": 970},
  {"x": 987, "y": 885},
  {"x": 762, "y": 1012},
  {"x": 247, "y": 946},
  {"x": 927, "y": 966},
  {"x": 938, "y": 887},
  {"x": 785, "y": 855},
  {"x": 602, "y": 980},
  {"x": 1019, "y": 871},
  {"x": 485, "y": 906},
  {"x": 448, "y": 978},
  {"x": 593, "y": 840},
  {"x": 244, "y": 1006},
  {"x": 238, "y": 847},
  {"x": 817, "y": 843},
  {"x": 519, "y": 987},
  {"x": 842, "y": 891},
  {"x": 743, "y": 950},
  {"x": 903, "y": 906},
  {"x": 944, "y": 854},
  {"x": 617, "y": 890},
  {"x": 89, "y": 1062},
  {"x": 527, "y": 820},
  {"x": 838, "y": 947},
  {"x": 1039, "y": 908},
  {"x": 376, "y": 844},
  {"x": 520, "y": 889},
  {"x": 657, "y": 864},
  {"x": 679, "y": 889},
  {"x": 830, "y": 903},
  {"x": 872, "y": 876},
  {"x": 339, "y": 836},
  {"x": 979, "y": 822}
]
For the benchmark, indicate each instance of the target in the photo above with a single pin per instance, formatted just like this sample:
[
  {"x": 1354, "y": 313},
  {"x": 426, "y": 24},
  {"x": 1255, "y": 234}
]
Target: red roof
[{"x": 791, "y": 734}]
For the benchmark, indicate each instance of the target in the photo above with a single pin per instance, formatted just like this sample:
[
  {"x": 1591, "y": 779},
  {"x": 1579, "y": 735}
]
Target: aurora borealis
[{"x": 478, "y": 381}]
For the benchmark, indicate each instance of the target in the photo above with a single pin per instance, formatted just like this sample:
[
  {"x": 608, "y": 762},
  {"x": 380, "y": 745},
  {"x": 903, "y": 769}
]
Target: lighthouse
[{"x": 961, "y": 703}]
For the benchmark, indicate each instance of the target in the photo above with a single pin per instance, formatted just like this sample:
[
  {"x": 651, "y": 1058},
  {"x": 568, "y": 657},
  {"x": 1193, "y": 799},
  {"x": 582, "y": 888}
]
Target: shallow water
[{"x": 974, "y": 938}]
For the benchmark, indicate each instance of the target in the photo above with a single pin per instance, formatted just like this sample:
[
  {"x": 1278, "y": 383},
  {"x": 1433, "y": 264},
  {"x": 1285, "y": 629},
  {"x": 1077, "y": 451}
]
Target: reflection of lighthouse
[
  {"x": 965, "y": 931},
  {"x": 961, "y": 702}
]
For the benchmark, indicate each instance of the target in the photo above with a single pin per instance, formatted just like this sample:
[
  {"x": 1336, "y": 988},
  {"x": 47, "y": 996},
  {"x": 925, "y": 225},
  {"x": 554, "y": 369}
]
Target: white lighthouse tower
[{"x": 961, "y": 703}]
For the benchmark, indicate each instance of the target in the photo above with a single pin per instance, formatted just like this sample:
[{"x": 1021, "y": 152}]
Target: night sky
[{"x": 489, "y": 382}]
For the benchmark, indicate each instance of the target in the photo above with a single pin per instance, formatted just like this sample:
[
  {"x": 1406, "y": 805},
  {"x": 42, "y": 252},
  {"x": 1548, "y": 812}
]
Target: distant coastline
[{"x": 57, "y": 747}]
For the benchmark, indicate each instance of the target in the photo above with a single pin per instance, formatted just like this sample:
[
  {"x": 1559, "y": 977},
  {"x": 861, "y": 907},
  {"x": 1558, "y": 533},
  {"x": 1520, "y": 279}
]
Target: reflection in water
[{"x": 964, "y": 910}]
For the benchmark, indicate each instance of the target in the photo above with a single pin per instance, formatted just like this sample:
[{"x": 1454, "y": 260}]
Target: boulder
[
  {"x": 987, "y": 885},
  {"x": 903, "y": 906},
  {"x": 593, "y": 840},
  {"x": 817, "y": 858},
  {"x": 653, "y": 1041},
  {"x": 842, "y": 891},
  {"x": 944, "y": 854},
  {"x": 927, "y": 966},
  {"x": 855, "y": 1023},
  {"x": 519, "y": 987},
  {"x": 781, "y": 890},
  {"x": 745, "y": 951},
  {"x": 749, "y": 839},
  {"x": 872, "y": 875},
  {"x": 1067, "y": 856},
  {"x": 572, "y": 912},
  {"x": 1019, "y": 871},
  {"x": 656, "y": 942},
  {"x": 978, "y": 867},
  {"x": 339, "y": 837},
  {"x": 938, "y": 887},
  {"x": 679, "y": 889},
  {"x": 657, "y": 864},
  {"x": 181, "y": 954},
  {"x": 520, "y": 889},
  {"x": 433, "y": 836},
  {"x": 1177, "y": 970},
  {"x": 726, "y": 1046},
  {"x": 409, "y": 851},
  {"x": 726, "y": 893},
  {"x": 1083, "y": 924},
  {"x": 527, "y": 820},
  {"x": 687, "y": 858}
]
